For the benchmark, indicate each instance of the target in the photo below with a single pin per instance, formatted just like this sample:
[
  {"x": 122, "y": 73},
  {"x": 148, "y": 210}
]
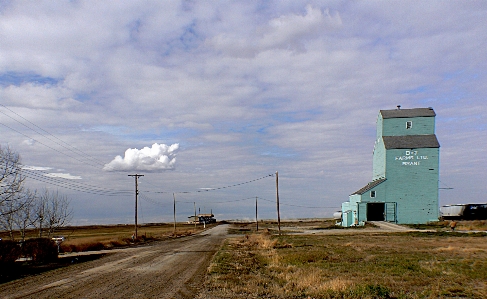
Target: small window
[
  {"x": 409, "y": 125},
  {"x": 372, "y": 194}
]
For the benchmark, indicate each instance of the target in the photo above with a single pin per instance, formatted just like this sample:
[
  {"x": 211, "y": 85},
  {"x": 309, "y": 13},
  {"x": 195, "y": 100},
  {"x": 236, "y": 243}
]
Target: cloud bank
[
  {"x": 156, "y": 158},
  {"x": 248, "y": 88},
  {"x": 287, "y": 32}
]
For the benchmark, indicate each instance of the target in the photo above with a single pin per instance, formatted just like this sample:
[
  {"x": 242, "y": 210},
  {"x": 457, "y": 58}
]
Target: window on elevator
[{"x": 409, "y": 125}]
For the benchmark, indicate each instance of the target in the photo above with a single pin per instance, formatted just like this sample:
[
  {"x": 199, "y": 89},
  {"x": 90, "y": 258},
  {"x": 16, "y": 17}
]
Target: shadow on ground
[{"x": 21, "y": 269}]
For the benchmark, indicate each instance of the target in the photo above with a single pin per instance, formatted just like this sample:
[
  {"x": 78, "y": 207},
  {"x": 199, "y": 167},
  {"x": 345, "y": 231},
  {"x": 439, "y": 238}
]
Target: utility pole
[
  {"x": 194, "y": 215},
  {"x": 136, "y": 176},
  {"x": 256, "y": 220},
  {"x": 174, "y": 196},
  {"x": 277, "y": 200}
]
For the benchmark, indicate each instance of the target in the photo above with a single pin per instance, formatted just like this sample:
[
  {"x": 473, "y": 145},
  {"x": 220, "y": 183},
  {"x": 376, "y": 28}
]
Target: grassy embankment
[
  {"x": 97, "y": 237},
  {"x": 364, "y": 265}
]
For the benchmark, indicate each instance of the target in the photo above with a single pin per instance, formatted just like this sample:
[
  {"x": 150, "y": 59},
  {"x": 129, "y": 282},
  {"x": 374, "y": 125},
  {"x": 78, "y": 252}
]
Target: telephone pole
[
  {"x": 174, "y": 196},
  {"x": 136, "y": 176},
  {"x": 194, "y": 216},
  {"x": 256, "y": 220},
  {"x": 277, "y": 200}
]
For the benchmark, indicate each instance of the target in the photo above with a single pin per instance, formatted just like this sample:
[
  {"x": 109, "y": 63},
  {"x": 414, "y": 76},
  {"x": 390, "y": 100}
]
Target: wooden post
[
  {"x": 136, "y": 198},
  {"x": 194, "y": 216},
  {"x": 256, "y": 219},
  {"x": 277, "y": 200},
  {"x": 174, "y": 196}
]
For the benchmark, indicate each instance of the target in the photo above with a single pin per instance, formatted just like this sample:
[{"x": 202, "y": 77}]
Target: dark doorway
[{"x": 375, "y": 211}]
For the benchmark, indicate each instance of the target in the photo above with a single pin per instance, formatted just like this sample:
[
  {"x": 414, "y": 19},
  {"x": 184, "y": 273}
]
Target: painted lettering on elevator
[{"x": 411, "y": 158}]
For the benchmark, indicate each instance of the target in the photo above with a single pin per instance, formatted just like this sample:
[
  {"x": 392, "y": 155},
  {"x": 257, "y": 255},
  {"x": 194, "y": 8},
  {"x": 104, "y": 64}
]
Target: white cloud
[
  {"x": 284, "y": 32},
  {"x": 39, "y": 168},
  {"x": 29, "y": 142},
  {"x": 67, "y": 176},
  {"x": 156, "y": 158},
  {"x": 43, "y": 169},
  {"x": 288, "y": 30}
]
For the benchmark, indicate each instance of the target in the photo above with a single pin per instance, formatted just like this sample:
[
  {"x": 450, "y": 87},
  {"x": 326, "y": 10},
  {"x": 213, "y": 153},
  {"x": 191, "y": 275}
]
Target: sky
[{"x": 209, "y": 99}]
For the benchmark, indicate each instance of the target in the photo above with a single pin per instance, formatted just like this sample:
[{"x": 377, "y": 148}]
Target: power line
[
  {"x": 46, "y": 145},
  {"x": 219, "y": 202},
  {"x": 297, "y": 206},
  {"x": 154, "y": 202},
  {"x": 214, "y": 189},
  {"x": 83, "y": 187},
  {"x": 59, "y": 141},
  {"x": 76, "y": 186},
  {"x": 71, "y": 185},
  {"x": 237, "y": 200}
]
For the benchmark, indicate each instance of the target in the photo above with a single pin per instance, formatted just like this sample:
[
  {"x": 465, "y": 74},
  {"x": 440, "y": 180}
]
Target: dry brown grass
[
  {"x": 462, "y": 225},
  {"x": 107, "y": 237},
  {"x": 97, "y": 237},
  {"x": 93, "y": 243},
  {"x": 428, "y": 265},
  {"x": 480, "y": 225}
]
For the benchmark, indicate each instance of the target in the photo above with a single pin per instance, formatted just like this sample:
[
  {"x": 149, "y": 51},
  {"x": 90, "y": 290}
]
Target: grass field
[
  {"x": 97, "y": 237},
  {"x": 364, "y": 265}
]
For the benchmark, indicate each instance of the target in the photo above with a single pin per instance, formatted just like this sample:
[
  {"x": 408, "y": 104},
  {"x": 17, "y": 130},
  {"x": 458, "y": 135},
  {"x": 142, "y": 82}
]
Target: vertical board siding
[
  {"x": 413, "y": 184},
  {"x": 397, "y": 126}
]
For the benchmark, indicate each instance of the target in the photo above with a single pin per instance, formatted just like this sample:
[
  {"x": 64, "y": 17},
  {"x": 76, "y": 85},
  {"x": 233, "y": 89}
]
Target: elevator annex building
[{"x": 404, "y": 186}]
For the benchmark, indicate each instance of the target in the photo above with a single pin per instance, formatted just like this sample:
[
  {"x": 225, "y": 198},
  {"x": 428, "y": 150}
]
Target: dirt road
[{"x": 169, "y": 269}]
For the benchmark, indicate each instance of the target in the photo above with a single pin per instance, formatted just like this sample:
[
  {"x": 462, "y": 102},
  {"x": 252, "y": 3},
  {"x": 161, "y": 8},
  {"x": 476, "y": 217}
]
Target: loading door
[
  {"x": 375, "y": 211},
  {"x": 362, "y": 212},
  {"x": 391, "y": 211}
]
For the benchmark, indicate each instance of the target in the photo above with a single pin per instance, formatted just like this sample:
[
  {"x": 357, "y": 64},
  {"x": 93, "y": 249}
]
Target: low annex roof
[
  {"x": 411, "y": 141},
  {"x": 406, "y": 113},
  {"x": 369, "y": 186}
]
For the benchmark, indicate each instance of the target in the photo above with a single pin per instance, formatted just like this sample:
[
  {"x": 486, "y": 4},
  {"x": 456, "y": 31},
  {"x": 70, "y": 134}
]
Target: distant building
[
  {"x": 202, "y": 218},
  {"x": 404, "y": 186}
]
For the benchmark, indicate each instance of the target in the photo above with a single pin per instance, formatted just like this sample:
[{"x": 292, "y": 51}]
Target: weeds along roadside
[
  {"x": 400, "y": 265},
  {"x": 108, "y": 237}
]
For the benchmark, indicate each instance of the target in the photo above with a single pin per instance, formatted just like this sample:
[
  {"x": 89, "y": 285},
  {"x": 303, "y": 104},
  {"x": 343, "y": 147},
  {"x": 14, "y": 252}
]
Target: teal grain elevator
[{"x": 404, "y": 186}]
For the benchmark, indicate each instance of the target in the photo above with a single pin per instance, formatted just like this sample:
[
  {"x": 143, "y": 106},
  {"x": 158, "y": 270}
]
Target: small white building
[{"x": 201, "y": 219}]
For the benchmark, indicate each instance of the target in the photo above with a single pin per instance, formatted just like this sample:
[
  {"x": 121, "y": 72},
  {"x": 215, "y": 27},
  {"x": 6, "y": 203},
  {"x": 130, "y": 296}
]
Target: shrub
[
  {"x": 9, "y": 252},
  {"x": 40, "y": 250}
]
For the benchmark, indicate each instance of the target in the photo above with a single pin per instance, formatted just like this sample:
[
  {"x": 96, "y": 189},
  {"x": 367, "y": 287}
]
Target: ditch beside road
[{"x": 167, "y": 269}]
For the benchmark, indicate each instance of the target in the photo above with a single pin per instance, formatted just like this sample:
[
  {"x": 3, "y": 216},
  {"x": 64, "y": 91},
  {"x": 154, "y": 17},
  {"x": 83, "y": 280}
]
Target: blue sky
[{"x": 233, "y": 92}]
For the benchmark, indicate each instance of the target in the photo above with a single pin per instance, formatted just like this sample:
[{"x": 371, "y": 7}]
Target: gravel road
[{"x": 168, "y": 269}]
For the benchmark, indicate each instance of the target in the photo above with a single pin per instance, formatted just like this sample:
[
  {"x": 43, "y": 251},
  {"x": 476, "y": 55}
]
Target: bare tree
[
  {"x": 25, "y": 216},
  {"x": 52, "y": 211},
  {"x": 7, "y": 217},
  {"x": 11, "y": 188},
  {"x": 11, "y": 179},
  {"x": 21, "y": 208},
  {"x": 17, "y": 213}
]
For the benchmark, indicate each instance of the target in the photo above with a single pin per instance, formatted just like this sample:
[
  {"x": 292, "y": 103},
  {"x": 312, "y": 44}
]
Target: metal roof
[
  {"x": 411, "y": 141},
  {"x": 406, "y": 113},
  {"x": 368, "y": 186}
]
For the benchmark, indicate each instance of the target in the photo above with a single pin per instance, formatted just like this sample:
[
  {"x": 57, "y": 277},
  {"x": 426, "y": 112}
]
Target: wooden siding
[
  {"x": 379, "y": 160},
  {"x": 397, "y": 126},
  {"x": 412, "y": 182}
]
